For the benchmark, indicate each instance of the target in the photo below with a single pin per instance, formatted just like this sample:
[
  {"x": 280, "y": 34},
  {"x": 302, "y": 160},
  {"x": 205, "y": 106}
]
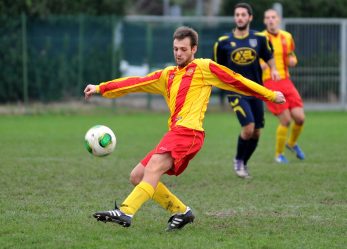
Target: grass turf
[{"x": 50, "y": 186}]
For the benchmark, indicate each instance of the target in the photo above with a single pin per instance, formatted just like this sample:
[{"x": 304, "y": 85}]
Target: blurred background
[{"x": 50, "y": 49}]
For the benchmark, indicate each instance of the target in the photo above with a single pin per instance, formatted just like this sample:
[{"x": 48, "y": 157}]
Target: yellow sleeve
[
  {"x": 97, "y": 89},
  {"x": 224, "y": 78},
  {"x": 152, "y": 83}
]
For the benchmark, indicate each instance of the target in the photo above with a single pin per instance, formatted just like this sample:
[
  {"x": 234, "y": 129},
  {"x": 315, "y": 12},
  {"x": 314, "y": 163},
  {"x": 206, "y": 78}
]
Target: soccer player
[
  {"x": 241, "y": 50},
  {"x": 186, "y": 89},
  {"x": 283, "y": 45}
]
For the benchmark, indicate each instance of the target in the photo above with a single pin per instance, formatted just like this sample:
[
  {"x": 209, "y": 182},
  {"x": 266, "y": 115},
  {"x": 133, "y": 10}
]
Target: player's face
[
  {"x": 271, "y": 21},
  {"x": 242, "y": 18},
  {"x": 183, "y": 51}
]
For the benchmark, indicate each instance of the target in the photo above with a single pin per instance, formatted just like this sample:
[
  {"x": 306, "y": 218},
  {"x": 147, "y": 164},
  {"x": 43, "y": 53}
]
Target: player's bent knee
[
  {"x": 247, "y": 132},
  {"x": 300, "y": 121},
  {"x": 135, "y": 179},
  {"x": 136, "y": 174}
]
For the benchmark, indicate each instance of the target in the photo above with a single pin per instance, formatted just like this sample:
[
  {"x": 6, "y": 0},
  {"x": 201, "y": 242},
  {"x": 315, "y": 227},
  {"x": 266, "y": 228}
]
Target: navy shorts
[{"x": 248, "y": 109}]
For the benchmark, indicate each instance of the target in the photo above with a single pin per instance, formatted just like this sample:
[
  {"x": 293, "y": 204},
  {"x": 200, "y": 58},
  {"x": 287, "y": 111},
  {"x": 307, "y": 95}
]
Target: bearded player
[
  {"x": 186, "y": 89},
  {"x": 241, "y": 50}
]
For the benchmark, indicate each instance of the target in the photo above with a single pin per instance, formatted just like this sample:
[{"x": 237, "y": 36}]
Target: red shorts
[
  {"x": 183, "y": 144},
  {"x": 289, "y": 91}
]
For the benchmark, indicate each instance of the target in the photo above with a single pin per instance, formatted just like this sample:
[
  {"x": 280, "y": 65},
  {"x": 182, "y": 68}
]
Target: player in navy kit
[{"x": 240, "y": 50}]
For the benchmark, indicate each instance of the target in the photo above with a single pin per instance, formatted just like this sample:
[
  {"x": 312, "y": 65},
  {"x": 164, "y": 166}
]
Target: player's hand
[
  {"x": 89, "y": 91},
  {"x": 275, "y": 75},
  {"x": 279, "y": 99},
  {"x": 291, "y": 61}
]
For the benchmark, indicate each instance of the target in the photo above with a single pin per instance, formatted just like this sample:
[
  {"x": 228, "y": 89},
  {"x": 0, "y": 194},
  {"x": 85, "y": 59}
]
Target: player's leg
[
  {"x": 282, "y": 113},
  {"x": 251, "y": 145},
  {"x": 281, "y": 136},
  {"x": 257, "y": 108},
  {"x": 156, "y": 167},
  {"x": 137, "y": 174},
  {"x": 162, "y": 195},
  {"x": 142, "y": 192},
  {"x": 297, "y": 113},
  {"x": 298, "y": 116},
  {"x": 180, "y": 213},
  {"x": 245, "y": 117}
]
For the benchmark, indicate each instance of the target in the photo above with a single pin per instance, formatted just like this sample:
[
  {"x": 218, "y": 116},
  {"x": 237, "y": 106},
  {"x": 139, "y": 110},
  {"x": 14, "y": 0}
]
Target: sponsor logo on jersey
[{"x": 243, "y": 56}]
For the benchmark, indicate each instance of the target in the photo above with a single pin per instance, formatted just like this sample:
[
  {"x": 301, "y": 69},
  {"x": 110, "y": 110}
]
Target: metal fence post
[
  {"x": 25, "y": 60},
  {"x": 149, "y": 44},
  {"x": 117, "y": 40},
  {"x": 80, "y": 52},
  {"x": 343, "y": 65}
]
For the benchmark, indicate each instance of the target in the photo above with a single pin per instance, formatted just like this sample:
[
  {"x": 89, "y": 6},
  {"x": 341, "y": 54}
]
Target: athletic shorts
[
  {"x": 289, "y": 91},
  {"x": 248, "y": 109},
  {"x": 183, "y": 144}
]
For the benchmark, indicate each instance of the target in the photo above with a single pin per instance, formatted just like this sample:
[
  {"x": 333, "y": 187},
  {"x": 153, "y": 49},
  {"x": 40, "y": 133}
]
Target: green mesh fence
[
  {"x": 52, "y": 59},
  {"x": 56, "y": 56}
]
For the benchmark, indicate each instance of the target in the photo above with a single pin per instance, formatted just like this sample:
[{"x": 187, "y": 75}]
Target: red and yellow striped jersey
[
  {"x": 284, "y": 46},
  {"x": 186, "y": 90}
]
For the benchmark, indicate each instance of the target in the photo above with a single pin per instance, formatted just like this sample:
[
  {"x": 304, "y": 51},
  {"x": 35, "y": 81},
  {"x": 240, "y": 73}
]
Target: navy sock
[
  {"x": 241, "y": 148},
  {"x": 251, "y": 146}
]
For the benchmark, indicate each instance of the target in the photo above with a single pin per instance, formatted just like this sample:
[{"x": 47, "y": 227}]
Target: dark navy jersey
[{"x": 242, "y": 54}]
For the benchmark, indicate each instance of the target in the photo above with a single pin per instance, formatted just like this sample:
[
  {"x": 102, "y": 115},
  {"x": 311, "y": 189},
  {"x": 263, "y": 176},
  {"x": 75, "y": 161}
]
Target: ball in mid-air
[{"x": 100, "y": 140}]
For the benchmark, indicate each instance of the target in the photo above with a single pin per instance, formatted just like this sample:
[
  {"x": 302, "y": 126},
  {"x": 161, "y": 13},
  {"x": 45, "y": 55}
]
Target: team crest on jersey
[
  {"x": 190, "y": 71},
  {"x": 243, "y": 56},
  {"x": 253, "y": 43},
  {"x": 233, "y": 44},
  {"x": 171, "y": 76}
]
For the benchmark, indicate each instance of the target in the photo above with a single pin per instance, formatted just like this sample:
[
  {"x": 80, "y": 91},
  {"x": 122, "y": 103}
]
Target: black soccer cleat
[
  {"x": 178, "y": 221},
  {"x": 115, "y": 216}
]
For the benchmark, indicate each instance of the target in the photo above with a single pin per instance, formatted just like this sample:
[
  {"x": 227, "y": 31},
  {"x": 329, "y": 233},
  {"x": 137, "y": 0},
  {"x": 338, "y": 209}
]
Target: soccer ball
[{"x": 100, "y": 140}]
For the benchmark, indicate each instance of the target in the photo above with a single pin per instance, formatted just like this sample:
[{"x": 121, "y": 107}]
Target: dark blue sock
[
  {"x": 241, "y": 148},
  {"x": 251, "y": 146}
]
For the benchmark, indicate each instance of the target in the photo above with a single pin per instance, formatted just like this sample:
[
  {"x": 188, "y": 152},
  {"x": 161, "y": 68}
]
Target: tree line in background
[
  {"x": 297, "y": 8},
  {"x": 42, "y": 8},
  {"x": 46, "y": 54}
]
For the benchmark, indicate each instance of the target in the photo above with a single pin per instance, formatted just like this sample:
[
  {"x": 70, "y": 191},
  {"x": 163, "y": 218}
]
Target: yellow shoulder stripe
[
  {"x": 222, "y": 38},
  {"x": 259, "y": 33}
]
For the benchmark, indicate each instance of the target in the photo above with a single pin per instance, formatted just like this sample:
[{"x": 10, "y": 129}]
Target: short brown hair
[
  {"x": 183, "y": 32},
  {"x": 245, "y": 6}
]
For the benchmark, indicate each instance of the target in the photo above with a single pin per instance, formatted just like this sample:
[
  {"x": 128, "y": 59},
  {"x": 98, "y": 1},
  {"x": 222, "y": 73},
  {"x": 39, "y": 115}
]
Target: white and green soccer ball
[{"x": 100, "y": 140}]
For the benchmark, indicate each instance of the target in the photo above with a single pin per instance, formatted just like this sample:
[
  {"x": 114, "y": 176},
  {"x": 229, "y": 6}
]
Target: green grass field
[{"x": 50, "y": 186}]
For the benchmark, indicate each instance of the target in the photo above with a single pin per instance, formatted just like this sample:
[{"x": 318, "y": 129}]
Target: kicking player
[
  {"x": 186, "y": 89},
  {"x": 283, "y": 44},
  {"x": 240, "y": 50}
]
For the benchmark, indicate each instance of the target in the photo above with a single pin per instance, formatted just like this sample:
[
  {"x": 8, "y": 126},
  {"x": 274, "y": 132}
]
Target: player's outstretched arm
[{"x": 89, "y": 91}]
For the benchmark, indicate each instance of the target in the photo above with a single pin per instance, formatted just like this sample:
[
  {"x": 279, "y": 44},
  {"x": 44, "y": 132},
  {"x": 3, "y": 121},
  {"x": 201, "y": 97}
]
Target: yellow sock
[
  {"x": 281, "y": 137},
  {"x": 168, "y": 200},
  {"x": 295, "y": 132},
  {"x": 141, "y": 193}
]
